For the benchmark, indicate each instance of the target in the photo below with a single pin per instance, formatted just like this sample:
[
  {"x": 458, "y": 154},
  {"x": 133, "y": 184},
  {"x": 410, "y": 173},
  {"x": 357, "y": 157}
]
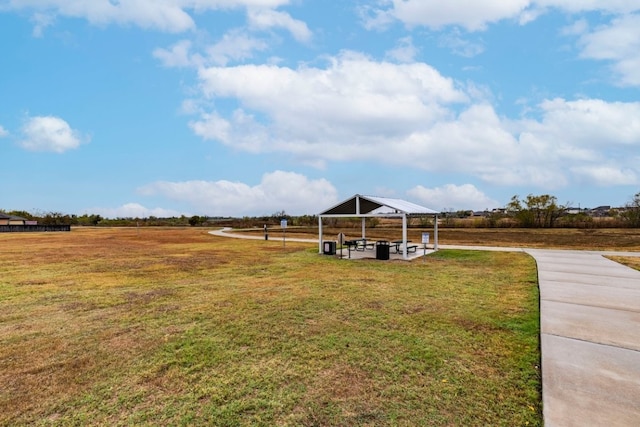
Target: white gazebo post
[
  {"x": 404, "y": 236},
  {"x": 435, "y": 232},
  {"x": 320, "y": 234}
]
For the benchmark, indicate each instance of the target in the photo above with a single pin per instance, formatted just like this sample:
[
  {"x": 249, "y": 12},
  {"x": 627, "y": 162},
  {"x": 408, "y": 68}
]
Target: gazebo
[{"x": 372, "y": 206}]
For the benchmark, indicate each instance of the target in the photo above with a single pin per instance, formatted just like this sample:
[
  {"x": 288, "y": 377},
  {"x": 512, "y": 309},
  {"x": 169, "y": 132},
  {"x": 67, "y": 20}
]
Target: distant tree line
[
  {"x": 57, "y": 218},
  {"x": 544, "y": 211},
  {"x": 534, "y": 211}
]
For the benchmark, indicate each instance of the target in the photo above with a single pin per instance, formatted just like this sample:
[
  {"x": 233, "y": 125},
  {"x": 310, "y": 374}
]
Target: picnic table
[
  {"x": 358, "y": 245},
  {"x": 362, "y": 244},
  {"x": 397, "y": 243},
  {"x": 350, "y": 244}
]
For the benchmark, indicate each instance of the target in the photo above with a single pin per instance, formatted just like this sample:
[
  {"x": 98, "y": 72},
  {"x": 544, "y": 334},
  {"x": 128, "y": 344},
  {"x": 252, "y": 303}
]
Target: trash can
[
  {"x": 329, "y": 248},
  {"x": 382, "y": 249}
]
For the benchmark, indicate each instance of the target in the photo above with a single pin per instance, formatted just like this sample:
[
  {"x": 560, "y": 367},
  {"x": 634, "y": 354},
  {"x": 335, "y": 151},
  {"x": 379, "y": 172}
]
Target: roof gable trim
[{"x": 366, "y": 205}]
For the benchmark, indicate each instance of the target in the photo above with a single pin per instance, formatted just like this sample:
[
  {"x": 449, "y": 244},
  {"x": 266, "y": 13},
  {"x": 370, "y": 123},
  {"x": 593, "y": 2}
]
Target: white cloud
[
  {"x": 292, "y": 192},
  {"x": 48, "y": 133},
  {"x": 618, "y": 43},
  {"x": 405, "y": 51},
  {"x": 178, "y": 55},
  {"x": 453, "y": 197},
  {"x": 41, "y": 21},
  {"x": 436, "y": 14},
  {"x": 592, "y": 123},
  {"x": 409, "y": 115},
  {"x": 476, "y": 16},
  {"x": 265, "y": 19},
  {"x": 605, "y": 175},
  {"x": 3, "y": 132},
  {"x": 459, "y": 45},
  {"x": 578, "y": 28},
  {"x": 309, "y": 109},
  {"x": 166, "y": 15},
  {"x": 133, "y": 210},
  {"x": 236, "y": 45},
  {"x": 578, "y": 6}
]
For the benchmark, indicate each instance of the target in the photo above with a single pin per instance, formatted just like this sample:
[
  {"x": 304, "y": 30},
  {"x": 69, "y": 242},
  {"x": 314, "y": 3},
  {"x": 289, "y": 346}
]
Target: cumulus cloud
[
  {"x": 435, "y": 14},
  {"x": 459, "y": 45},
  {"x": 405, "y": 51},
  {"x": 309, "y": 109},
  {"x": 578, "y": 6},
  {"x": 453, "y": 197},
  {"x": 49, "y": 133},
  {"x": 592, "y": 122},
  {"x": 133, "y": 210},
  {"x": 411, "y": 115},
  {"x": 605, "y": 175},
  {"x": 40, "y": 22},
  {"x": 265, "y": 19},
  {"x": 292, "y": 192},
  {"x": 476, "y": 16},
  {"x": 167, "y": 15},
  {"x": 236, "y": 45},
  {"x": 617, "y": 43},
  {"x": 178, "y": 55},
  {"x": 3, "y": 132}
]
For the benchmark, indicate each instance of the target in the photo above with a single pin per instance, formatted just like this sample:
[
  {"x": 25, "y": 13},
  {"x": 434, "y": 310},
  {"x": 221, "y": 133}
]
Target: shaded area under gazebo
[{"x": 381, "y": 207}]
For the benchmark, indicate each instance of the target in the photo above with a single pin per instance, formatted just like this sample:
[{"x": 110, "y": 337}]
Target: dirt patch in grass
[{"x": 175, "y": 326}]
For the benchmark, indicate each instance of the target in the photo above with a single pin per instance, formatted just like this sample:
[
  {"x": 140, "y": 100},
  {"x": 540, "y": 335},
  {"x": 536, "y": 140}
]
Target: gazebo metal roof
[{"x": 364, "y": 205}]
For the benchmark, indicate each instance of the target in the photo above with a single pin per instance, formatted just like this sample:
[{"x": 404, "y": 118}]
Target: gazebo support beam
[
  {"x": 404, "y": 236},
  {"x": 320, "y": 242},
  {"x": 435, "y": 231}
]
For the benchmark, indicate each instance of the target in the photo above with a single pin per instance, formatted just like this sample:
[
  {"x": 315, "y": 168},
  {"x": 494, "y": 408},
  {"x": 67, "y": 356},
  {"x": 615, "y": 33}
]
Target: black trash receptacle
[
  {"x": 329, "y": 248},
  {"x": 382, "y": 249}
]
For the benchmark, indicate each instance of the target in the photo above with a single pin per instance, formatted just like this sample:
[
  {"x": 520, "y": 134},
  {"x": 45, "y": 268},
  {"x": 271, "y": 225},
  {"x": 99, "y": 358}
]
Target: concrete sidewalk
[{"x": 590, "y": 336}]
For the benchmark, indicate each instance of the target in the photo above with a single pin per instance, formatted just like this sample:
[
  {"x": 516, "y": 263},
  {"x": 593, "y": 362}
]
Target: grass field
[{"x": 177, "y": 327}]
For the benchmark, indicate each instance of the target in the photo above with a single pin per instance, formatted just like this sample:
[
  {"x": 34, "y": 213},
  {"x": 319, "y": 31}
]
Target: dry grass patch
[
  {"x": 620, "y": 239},
  {"x": 175, "y": 326},
  {"x": 633, "y": 262}
]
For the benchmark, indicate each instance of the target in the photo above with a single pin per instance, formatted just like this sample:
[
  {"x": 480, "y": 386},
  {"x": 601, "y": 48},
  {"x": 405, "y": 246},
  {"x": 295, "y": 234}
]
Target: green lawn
[{"x": 177, "y": 327}]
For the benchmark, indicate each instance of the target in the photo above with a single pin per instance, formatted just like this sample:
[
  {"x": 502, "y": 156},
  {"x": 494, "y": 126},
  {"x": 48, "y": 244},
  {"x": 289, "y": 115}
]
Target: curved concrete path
[
  {"x": 589, "y": 334},
  {"x": 275, "y": 236}
]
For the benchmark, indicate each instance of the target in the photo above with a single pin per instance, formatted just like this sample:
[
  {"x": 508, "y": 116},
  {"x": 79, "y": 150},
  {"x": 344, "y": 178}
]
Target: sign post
[
  {"x": 283, "y": 225},
  {"x": 425, "y": 242}
]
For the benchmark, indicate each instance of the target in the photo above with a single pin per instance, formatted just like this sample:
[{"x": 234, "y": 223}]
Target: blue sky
[{"x": 250, "y": 107}]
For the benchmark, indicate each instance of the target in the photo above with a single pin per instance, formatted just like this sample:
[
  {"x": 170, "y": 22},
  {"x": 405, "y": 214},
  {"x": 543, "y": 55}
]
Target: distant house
[
  {"x": 571, "y": 210},
  {"x": 600, "y": 211},
  {"x": 11, "y": 220}
]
